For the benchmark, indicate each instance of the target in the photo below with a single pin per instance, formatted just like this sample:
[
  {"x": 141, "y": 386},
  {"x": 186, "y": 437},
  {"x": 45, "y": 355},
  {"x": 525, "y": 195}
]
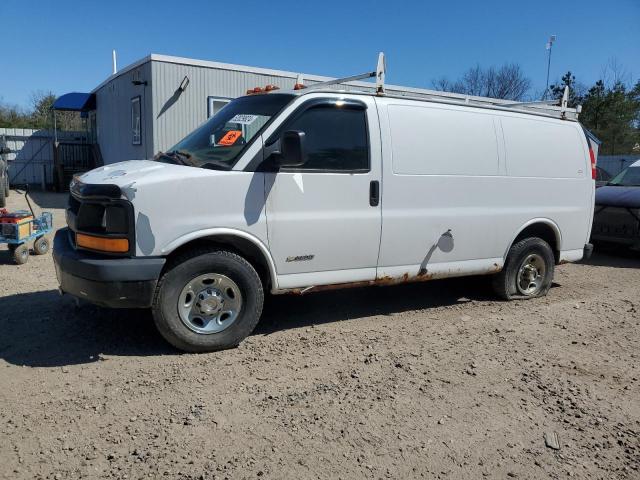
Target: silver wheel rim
[
  {"x": 531, "y": 274},
  {"x": 209, "y": 303}
]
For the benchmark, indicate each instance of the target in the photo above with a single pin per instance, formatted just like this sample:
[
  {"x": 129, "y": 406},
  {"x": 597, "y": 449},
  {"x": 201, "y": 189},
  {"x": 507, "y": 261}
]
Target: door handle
[{"x": 374, "y": 193}]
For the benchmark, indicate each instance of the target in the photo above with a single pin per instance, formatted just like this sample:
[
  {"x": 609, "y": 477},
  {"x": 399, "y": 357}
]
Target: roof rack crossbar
[
  {"x": 554, "y": 102},
  {"x": 379, "y": 75},
  {"x": 338, "y": 81}
]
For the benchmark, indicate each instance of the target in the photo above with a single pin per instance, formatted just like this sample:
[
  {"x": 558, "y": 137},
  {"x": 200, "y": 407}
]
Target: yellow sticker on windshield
[{"x": 230, "y": 138}]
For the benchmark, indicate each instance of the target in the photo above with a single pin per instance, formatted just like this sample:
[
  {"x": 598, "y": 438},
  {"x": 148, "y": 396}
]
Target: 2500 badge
[{"x": 300, "y": 258}]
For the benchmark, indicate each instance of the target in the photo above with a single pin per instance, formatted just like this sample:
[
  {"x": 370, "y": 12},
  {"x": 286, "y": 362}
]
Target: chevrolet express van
[{"x": 311, "y": 189}]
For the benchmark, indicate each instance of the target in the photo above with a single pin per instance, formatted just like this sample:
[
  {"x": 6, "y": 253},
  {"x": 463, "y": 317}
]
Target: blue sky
[{"x": 65, "y": 45}]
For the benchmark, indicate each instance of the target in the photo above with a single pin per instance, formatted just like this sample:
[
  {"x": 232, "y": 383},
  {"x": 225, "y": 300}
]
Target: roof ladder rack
[
  {"x": 556, "y": 108},
  {"x": 379, "y": 75}
]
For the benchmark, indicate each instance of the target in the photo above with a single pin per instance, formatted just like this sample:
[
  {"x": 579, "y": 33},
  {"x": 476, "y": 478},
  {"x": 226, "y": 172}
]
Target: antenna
[
  {"x": 113, "y": 58},
  {"x": 549, "y": 46}
]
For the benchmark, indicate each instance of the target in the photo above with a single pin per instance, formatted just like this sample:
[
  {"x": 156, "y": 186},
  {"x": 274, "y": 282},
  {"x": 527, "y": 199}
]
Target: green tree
[
  {"x": 613, "y": 115},
  {"x": 611, "y": 111},
  {"x": 576, "y": 90},
  {"x": 13, "y": 117},
  {"x": 41, "y": 103}
]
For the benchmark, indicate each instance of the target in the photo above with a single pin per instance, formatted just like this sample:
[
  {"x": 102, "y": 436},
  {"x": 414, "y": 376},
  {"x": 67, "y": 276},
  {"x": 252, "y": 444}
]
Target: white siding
[
  {"x": 176, "y": 113},
  {"x": 113, "y": 116}
]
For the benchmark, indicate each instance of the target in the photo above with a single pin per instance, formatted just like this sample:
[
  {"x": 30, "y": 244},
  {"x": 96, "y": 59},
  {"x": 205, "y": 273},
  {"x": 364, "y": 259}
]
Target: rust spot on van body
[
  {"x": 422, "y": 276},
  {"x": 382, "y": 281}
]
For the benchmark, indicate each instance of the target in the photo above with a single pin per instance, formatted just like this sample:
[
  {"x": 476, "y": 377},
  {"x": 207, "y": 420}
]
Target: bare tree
[
  {"x": 615, "y": 73},
  {"x": 506, "y": 82}
]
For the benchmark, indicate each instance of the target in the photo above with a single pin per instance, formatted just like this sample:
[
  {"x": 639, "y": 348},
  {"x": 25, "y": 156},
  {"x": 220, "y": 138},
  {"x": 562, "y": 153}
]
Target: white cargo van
[{"x": 317, "y": 188}]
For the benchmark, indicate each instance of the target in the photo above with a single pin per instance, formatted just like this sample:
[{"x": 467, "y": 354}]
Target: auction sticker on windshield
[
  {"x": 243, "y": 118},
  {"x": 230, "y": 138}
]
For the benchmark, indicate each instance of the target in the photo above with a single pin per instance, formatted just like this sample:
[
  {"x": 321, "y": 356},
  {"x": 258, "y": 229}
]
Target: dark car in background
[{"x": 616, "y": 218}]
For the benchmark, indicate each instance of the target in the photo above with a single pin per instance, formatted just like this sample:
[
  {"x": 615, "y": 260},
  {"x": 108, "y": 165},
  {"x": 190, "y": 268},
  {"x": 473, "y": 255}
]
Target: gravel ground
[{"x": 434, "y": 380}]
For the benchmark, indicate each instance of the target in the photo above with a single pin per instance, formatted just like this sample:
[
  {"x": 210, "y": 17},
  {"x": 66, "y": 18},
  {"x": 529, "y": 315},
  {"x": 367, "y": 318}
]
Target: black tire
[
  {"x": 41, "y": 245},
  {"x": 21, "y": 254},
  {"x": 184, "y": 269},
  {"x": 505, "y": 283}
]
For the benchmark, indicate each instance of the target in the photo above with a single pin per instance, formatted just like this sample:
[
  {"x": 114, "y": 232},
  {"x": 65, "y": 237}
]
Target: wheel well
[
  {"x": 241, "y": 246},
  {"x": 543, "y": 231}
]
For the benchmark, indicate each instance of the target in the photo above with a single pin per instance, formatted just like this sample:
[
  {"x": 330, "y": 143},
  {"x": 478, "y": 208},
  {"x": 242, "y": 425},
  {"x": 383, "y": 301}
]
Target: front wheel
[
  {"x": 41, "y": 245},
  {"x": 528, "y": 270},
  {"x": 208, "y": 300}
]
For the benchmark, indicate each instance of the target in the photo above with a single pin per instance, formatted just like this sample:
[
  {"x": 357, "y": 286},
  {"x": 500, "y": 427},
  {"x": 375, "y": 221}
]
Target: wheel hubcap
[
  {"x": 531, "y": 274},
  {"x": 209, "y": 303}
]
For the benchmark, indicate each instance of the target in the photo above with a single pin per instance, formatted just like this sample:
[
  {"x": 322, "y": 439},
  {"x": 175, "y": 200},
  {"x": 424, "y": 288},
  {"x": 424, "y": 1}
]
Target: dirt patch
[{"x": 434, "y": 380}]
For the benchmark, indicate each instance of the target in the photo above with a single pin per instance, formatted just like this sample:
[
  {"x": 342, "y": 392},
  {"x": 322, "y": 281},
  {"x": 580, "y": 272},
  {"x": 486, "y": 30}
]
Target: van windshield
[{"x": 219, "y": 142}]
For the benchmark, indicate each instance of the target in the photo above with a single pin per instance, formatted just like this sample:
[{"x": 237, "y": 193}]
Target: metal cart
[{"x": 18, "y": 229}]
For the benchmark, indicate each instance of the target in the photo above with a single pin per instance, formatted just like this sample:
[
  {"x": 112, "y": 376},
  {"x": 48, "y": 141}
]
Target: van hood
[
  {"x": 172, "y": 203},
  {"x": 131, "y": 174}
]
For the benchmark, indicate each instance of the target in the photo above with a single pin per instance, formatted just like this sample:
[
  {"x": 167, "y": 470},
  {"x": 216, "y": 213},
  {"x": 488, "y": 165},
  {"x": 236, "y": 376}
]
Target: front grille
[{"x": 617, "y": 222}]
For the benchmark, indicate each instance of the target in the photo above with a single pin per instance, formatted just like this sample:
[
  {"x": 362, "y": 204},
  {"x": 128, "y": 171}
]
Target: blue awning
[{"x": 75, "y": 102}]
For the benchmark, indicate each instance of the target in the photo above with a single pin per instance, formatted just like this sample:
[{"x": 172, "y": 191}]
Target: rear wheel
[
  {"x": 21, "y": 254},
  {"x": 208, "y": 300},
  {"x": 528, "y": 270}
]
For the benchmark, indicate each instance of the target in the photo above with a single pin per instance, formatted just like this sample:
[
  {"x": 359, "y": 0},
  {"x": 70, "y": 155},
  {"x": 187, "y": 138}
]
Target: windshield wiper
[
  {"x": 174, "y": 156},
  {"x": 215, "y": 166},
  {"x": 180, "y": 153}
]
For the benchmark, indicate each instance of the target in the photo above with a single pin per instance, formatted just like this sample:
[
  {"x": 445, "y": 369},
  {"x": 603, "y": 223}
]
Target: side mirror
[{"x": 292, "y": 151}]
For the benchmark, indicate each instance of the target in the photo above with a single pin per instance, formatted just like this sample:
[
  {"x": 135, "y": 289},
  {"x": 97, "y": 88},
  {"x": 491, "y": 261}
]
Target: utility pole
[{"x": 550, "y": 43}]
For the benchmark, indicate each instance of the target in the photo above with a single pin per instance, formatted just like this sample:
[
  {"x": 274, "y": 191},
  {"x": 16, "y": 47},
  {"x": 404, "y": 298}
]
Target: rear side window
[{"x": 335, "y": 139}]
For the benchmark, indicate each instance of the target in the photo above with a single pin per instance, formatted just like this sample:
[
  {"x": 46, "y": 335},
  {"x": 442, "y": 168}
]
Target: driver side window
[{"x": 336, "y": 139}]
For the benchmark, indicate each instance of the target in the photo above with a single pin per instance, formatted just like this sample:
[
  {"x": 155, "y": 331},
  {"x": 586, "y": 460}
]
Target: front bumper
[{"x": 106, "y": 281}]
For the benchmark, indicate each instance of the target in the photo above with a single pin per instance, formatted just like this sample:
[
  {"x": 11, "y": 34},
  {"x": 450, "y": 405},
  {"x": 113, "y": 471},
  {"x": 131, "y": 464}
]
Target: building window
[
  {"x": 136, "y": 121},
  {"x": 215, "y": 104}
]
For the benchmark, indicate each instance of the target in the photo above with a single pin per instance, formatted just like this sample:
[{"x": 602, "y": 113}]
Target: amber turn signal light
[{"x": 102, "y": 244}]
